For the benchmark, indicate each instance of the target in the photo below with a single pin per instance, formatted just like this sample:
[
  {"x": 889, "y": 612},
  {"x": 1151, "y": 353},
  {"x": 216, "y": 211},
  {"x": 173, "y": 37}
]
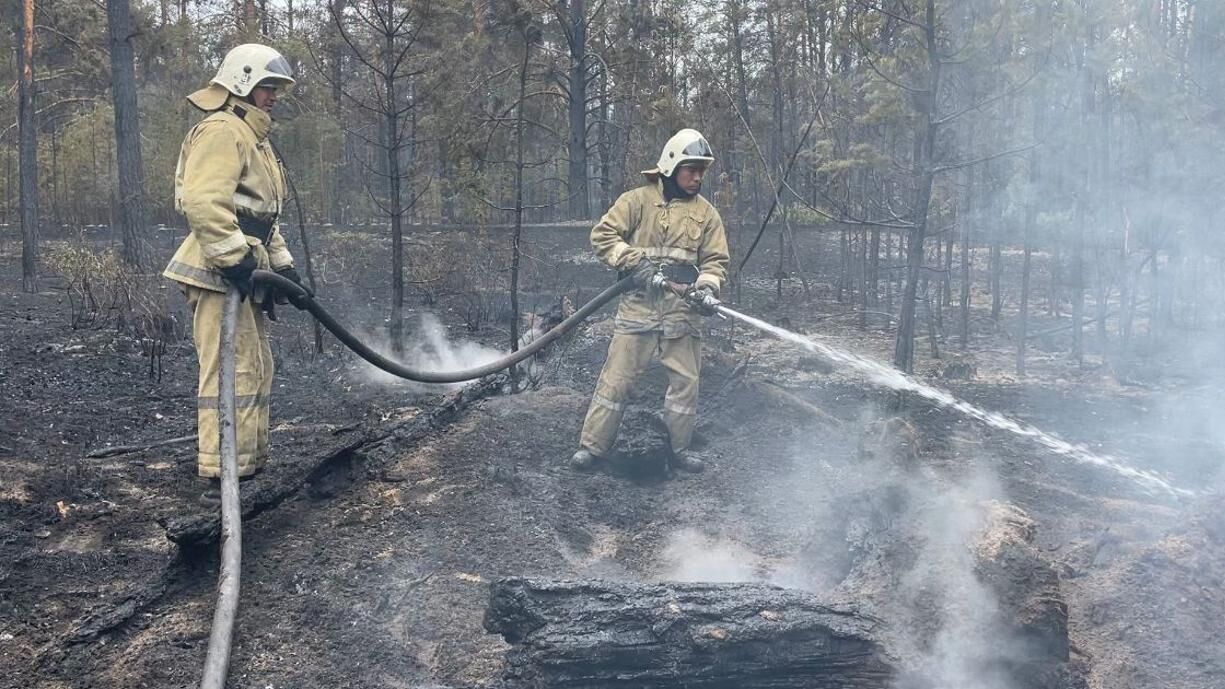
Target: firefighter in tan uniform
[
  {"x": 229, "y": 186},
  {"x": 663, "y": 225}
]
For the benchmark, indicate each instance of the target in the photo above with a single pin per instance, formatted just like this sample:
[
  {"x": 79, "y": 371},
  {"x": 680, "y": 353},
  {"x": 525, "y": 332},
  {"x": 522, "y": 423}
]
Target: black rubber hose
[{"x": 396, "y": 368}]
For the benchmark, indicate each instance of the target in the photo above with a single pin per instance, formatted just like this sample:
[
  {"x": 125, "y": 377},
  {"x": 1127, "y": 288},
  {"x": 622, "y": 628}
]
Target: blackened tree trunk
[
  {"x": 966, "y": 220},
  {"x": 874, "y": 268},
  {"x": 844, "y": 263},
  {"x": 340, "y": 164},
  {"x": 996, "y": 262},
  {"x": 735, "y": 11},
  {"x": 1077, "y": 273},
  {"x": 127, "y": 133},
  {"x": 391, "y": 116},
  {"x": 778, "y": 101},
  {"x": 580, "y": 206},
  {"x": 605, "y": 137},
  {"x": 28, "y": 154},
  {"x": 925, "y": 144},
  {"x": 1104, "y": 256},
  {"x": 1031, "y": 214},
  {"x": 528, "y": 36}
]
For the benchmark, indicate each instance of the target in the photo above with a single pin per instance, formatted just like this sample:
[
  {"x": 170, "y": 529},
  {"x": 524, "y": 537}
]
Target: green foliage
[{"x": 85, "y": 178}]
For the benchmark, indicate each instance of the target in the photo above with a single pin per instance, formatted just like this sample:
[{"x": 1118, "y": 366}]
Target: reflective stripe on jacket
[
  {"x": 226, "y": 167},
  {"x": 680, "y": 231}
]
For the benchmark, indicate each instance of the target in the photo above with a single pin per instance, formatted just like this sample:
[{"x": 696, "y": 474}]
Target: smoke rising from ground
[
  {"x": 898, "y": 538},
  {"x": 694, "y": 556},
  {"x": 428, "y": 348},
  {"x": 953, "y": 630}
]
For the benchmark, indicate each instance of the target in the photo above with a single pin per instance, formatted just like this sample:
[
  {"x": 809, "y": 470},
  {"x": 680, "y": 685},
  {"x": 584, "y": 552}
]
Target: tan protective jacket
[
  {"x": 680, "y": 231},
  {"x": 227, "y": 167}
]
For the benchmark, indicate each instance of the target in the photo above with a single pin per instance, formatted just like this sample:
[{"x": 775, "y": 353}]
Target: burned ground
[{"x": 377, "y": 571}]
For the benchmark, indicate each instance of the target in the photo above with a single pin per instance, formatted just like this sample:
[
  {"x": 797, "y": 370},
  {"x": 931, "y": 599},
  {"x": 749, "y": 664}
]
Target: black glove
[
  {"x": 294, "y": 298},
  {"x": 644, "y": 272},
  {"x": 269, "y": 305},
  {"x": 239, "y": 275}
]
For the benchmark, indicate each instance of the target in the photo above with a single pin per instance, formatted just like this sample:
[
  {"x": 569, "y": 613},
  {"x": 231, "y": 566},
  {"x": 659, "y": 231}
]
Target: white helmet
[
  {"x": 685, "y": 146},
  {"x": 250, "y": 63},
  {"x": 243, "y": 68}
]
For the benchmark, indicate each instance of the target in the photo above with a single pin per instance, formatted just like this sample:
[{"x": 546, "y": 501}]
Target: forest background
[{"x": 936, "y": 143}]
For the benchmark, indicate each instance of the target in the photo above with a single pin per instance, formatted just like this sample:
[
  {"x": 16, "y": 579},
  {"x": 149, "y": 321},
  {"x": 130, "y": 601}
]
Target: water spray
[{"x": 893, "y": 379}]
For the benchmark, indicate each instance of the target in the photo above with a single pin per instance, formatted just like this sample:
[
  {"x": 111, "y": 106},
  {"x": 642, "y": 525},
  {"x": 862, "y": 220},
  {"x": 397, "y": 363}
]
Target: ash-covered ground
[{"x": 376, "y": 571}]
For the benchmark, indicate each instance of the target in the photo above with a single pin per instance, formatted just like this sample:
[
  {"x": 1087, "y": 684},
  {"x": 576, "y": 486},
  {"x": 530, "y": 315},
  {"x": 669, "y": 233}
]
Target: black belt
[
  {"x": 680, "y": 273},
  {"x": 254, "y": 227}
]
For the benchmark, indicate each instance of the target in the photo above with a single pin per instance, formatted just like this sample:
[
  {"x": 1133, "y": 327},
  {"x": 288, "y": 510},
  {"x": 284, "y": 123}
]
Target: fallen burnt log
[
  {"x": 204, "y": 528},
  {"x": 597, "y": 634}
]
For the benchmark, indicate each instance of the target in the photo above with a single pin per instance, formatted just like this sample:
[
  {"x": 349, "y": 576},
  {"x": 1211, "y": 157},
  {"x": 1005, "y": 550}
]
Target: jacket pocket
[{"x": 691, "y": 230}]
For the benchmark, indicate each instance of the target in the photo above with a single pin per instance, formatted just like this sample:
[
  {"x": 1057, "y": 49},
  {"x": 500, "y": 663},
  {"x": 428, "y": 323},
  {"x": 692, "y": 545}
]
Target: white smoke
[
  {"x": 949, "y": 621},
  {"x": 690, "y": 555},
  {"x": 428, "y": 348}
]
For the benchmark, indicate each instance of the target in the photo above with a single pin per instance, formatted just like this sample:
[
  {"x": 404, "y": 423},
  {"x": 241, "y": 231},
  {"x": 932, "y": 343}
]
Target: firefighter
[
  {"x": 229, "y": 186},
  {"x": 664, "y": 225}
]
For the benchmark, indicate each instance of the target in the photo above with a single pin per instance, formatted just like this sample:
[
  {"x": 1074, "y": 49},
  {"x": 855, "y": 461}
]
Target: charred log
[
  {"x": 204, "y": 528},
  {"x": 597, "y": 634}
]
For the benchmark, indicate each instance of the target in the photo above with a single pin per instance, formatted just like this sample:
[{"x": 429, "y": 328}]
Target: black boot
[
  {"x": 583, "y": 460},
  {"x": 211, "y": 497},
  {"x": 685, "y": 460}
]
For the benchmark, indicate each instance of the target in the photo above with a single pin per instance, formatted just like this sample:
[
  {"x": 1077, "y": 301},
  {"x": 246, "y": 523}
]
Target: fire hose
[
  {"x": 217, "y": 660},
  {"x": 396, "y": 368}
]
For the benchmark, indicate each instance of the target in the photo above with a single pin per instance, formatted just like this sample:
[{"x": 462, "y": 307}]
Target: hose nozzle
[{"x": 704, "y": 302}]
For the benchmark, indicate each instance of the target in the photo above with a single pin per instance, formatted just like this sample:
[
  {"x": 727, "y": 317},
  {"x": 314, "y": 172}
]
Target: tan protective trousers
[
  {"x": 252, "y": 382},
  {"x": 629, "y": 354}
]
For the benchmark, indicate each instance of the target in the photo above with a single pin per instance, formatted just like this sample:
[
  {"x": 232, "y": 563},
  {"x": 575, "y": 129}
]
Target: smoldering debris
[
  {"x": 693, "y": 556},
  {"x": 430, "y": 349}
]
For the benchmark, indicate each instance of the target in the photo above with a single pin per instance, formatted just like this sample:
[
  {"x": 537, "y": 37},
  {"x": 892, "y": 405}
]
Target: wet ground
[{"x": 375, "y": 573}]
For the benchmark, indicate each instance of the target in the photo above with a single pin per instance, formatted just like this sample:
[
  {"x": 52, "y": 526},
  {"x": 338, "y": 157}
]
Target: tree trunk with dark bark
[
  {"x": 391, "y": 116},
  {"x": 925, "y": 144},
  {"x": 127, "y": 133},
  {"x": 341, "y": 171},
  {"x": 601, "y": 635},
  {"x": 515, "y": 252},
  {"x": 28, "y": 153},
  {"x": 580, "y": 206}
]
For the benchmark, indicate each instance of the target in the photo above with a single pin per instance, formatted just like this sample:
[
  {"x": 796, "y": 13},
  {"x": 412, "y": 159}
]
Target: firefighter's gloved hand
[
  {"x": 239, "y": 275},
  {"x": 644, "y": 272},
  {"x": 699, "y": 298},
  {"x": 269, "y": 305},
  {"x": 292, "y": 275}
]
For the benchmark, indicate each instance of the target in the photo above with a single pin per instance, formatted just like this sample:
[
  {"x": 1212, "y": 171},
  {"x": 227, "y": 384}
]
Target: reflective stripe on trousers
[
  {"x": 252, "y": 383},
  {"x": 629, "y": 355}
]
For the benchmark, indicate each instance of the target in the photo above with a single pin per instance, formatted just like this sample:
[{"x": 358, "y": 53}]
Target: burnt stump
[{"x": 597, "y": 634}]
